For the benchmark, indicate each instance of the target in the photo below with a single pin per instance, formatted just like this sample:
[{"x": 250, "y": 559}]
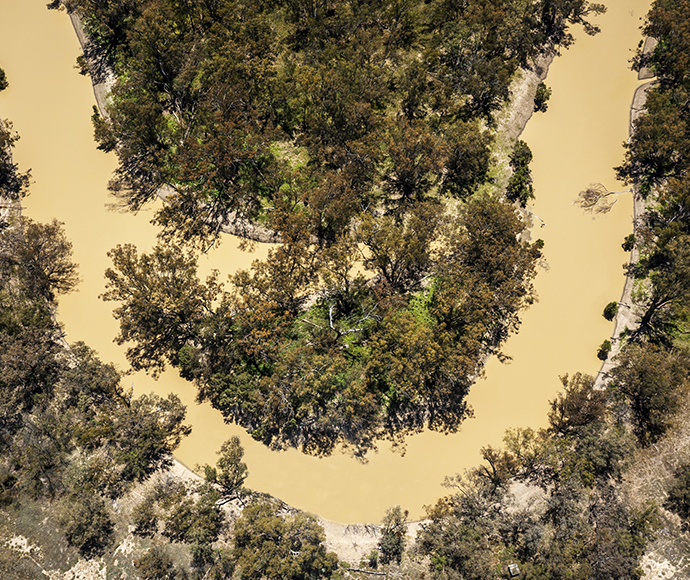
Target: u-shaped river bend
[{"x": 576, "y": 142}]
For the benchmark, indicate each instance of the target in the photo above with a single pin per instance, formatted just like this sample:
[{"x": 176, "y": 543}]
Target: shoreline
[{"x": 625, "y": 318}]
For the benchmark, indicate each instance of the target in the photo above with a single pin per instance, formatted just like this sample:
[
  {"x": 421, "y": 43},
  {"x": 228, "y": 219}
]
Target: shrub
[
  {"x": 157, "y": 564},
  {"x": 86, "y": 523},
  {"x": 604, "y": 350},
  {"x": 541, "y": 98},
  {"x": 610, "y": 310},
  {"x": 679, "y": 495},
  {"x": 393, "y": 529},
  {"x": 520, "y": 187},
  {"x": 628, "y": 242}
]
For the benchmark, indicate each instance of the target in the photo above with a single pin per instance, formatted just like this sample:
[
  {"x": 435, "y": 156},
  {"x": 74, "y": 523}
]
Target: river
[{"x": 575, "y": 143}]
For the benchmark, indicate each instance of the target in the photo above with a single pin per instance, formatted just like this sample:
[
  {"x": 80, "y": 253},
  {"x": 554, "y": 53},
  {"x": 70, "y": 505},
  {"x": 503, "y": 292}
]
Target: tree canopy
[{"x": 358, "y": 134}]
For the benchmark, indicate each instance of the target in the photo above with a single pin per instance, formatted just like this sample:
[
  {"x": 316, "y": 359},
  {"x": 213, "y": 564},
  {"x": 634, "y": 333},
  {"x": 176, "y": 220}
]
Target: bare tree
[{"x": 594, "y": 198}]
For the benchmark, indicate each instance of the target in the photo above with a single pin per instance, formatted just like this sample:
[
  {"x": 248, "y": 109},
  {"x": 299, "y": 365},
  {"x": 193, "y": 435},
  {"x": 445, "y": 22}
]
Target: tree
[
  {"x": 579, "y": 404},
  {"x": 664, "y": 298},
  {"x": 519, "y": 187},
  {"x": 659, "y": 147},
  {"x": 610, "y": 310},
  {"x": 3, "y": 80},
  {"x": 230, "y": 471},
  {"x": 30, "y": 358},
  {"x": 196, "y": 522},
  {"x": 86, "y": 523},
  {"x": 541, "y": 98},
  {"x": 42, "y": 256},
  {"x": 678, "y": 500},
  {"x": 593, "y": 198},
  {"x": 163, "y": 303},
  {"x": 468, "y": 159},
  {"x": 458, "y": 532},
  {"x": 401, "y": 253},
  {"x": 651, "y": 381},
  {"x": 13, "y": 184},
  {"x": 393, "y": 530},
  {"x": 604, "y": 350},
  {"x": 270, "y": 545},
  {"x": 145, "y": 433},
  {"x": 416, "y": 157},
  {"x": 224, "y": 176},
  {"x": 156, "y": 564}
]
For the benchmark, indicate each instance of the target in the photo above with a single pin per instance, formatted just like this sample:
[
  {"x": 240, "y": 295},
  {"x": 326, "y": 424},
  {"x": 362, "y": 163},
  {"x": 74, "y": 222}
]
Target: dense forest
[{"x": 357, "y": 134}]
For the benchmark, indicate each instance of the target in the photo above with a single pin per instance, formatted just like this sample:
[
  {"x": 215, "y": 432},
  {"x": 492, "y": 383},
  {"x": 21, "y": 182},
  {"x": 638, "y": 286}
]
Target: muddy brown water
[{"x": 576, "y": 142}]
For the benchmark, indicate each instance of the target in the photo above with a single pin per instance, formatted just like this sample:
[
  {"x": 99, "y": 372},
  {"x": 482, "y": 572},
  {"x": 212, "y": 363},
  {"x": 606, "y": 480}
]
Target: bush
[
  {"x": 520, "y": 187},
  {"x": 393, "y": 530},
  {"x": 3, "y": 80},
  {"x": 628, "y": 242},
  {"x": 604, "y": 350},
  {"x": 679, "y": 496},
  {"x": 541, "y": 98},
  {"x": 157, "y": 564},
  {"x": 610, "y": 310},
  {"x": 86, "y": 523}
]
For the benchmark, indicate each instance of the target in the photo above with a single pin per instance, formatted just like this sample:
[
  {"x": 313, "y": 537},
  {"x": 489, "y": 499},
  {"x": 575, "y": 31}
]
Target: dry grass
[{"x": 648, "y": 480}]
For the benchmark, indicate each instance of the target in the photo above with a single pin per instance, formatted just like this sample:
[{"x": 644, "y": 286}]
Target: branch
[{"x": 592, "y": 199}]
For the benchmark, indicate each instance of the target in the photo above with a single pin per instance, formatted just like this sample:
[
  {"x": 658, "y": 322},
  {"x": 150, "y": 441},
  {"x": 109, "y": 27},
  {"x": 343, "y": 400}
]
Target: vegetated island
[{"x": 360, "y": 136}]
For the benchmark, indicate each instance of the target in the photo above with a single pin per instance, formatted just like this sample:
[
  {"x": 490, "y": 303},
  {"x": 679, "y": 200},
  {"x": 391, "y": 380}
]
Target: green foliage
[
  {"x": 610, "y": 310},
  {"x": 156, "y": 564},
  {"x": 230, "y": 471},
  {"x": 41, "y": 256},
  {"x": 604, "y": 350},
  {"x": 165, "y": 320},
  {"x": 13, "y": 184},
  {"x": 658, "y": 148},
  {"x": 541, "y": 98},
  {"x": 393, "y": 530},
  {"x": 270, "y": 545},
  {"x": 678, "y": 500},
  {"x": 628, "y": 243},
  {"x": 102, "y": 132},
  {"x": 519, "y": 187},
  {"x": 328, "y": 340},
  {"x": 146, "y": 433},
  {"x": 202, "y": 93},
  {"x": 578, "y": 406},
  {"x": 60, "y": 409},
  {"x": 362, "y": 360},
  {"x": 145, "y": 518},
  {"x": 86, "y": 522},
  {"x": 195, "y": 522},
  {"x": 578, "y": 523},
  {"x": 651, "y": 381}
]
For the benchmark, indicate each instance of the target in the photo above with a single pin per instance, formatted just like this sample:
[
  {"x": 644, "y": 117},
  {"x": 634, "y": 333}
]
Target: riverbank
[{"x": 626, "y": 319}]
